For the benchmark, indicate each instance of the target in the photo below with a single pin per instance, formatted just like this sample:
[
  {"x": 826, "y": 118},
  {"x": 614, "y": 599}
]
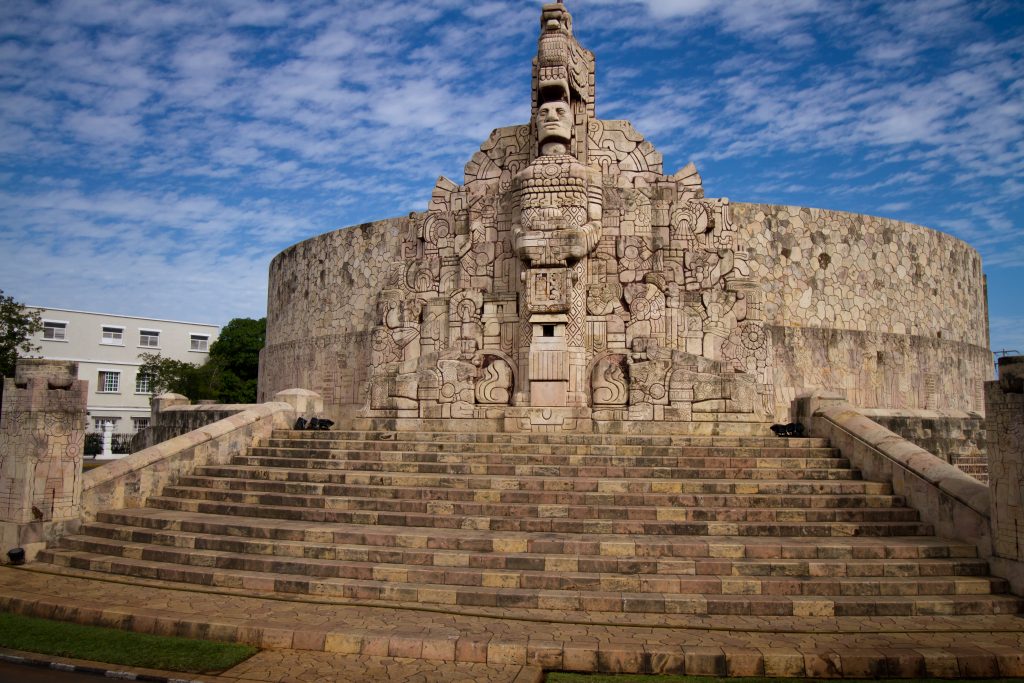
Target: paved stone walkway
[
  {"x": 964, "y": 646},
  {"x": 279, "y": 666}
]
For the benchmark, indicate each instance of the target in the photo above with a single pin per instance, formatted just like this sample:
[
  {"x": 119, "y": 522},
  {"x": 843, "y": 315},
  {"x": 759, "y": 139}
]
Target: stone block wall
[
  {"x": 1004, "y": 401},
  {"x": 891, "y": 314},
  {"x": 321, "y": 310},
  {"x": 955, "y": 437}
]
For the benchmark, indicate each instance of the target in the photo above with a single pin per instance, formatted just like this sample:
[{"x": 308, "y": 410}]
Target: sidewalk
[
  {"x": 305, "y": 639},
  {"x": 297, "y": 666}
]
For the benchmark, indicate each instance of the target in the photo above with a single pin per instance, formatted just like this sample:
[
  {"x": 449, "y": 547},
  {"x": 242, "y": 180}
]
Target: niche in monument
[{"x": 570, "y": 274}]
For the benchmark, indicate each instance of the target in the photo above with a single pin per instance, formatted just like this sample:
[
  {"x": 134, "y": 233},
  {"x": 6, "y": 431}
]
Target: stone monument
[
  {"x": 42, "y": 438},
  {"x": 569, "y": 283}
]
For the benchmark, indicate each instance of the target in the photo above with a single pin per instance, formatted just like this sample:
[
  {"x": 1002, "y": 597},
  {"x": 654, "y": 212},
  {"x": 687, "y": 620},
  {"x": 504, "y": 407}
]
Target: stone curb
[{"x": 93, "y": 670}]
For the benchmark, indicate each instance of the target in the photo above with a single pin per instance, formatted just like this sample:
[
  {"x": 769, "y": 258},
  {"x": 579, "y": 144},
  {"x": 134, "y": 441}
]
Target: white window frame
[
  {"x": 99, "y": 420},
  {"x": 101, "y": 383},
  {"x": 150, "y": 332},
  {"x": 193, "y": 337},
  {"x": 135, "y": 423},
  {"x": 112, "y": 330},
  {"x": 61, "y": 325},
  {"x": 149, "y": 383}
]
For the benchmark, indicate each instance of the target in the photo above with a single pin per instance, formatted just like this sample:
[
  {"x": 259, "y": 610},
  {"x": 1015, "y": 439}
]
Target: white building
[{"x": 107, "y": 347}]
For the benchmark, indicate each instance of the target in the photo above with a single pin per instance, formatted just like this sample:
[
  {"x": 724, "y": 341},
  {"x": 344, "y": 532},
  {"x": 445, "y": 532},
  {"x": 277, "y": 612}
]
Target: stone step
[
  {"x": 517, "y": 561},
  {"x": 616, "y": 599},
  {"x": 558, "y": 522},
  {"x": 603, "y": 508},
  {"x": 697, "y": 458},
  {"x": 598, "y": 544},
  {"x": 699, "y": 424},
  {"x": 551, "y": 483},
  {"x": 426, "y": 448},
  {"x": 733, "y": 441},
  {"x": 552, "y": 470},
  {"x": 616, "y": 492},
  {"x": 566, "y": 579}
]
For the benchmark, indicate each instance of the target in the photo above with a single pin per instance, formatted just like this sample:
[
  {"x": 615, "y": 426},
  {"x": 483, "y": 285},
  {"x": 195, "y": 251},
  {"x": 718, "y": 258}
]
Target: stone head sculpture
[
  {"x": 563, "y": 84},
  {"x": 554, "y": 126}
]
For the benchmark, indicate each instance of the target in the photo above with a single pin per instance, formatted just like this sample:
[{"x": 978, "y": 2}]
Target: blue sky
[{"x": 156, "y": 155}]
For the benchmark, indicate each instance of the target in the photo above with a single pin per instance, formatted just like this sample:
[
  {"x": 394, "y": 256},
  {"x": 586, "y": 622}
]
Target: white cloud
[{"x": 203, "y": 136}]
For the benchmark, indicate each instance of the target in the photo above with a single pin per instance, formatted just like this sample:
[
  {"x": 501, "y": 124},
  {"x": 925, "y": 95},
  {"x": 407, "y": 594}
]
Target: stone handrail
[
  {"x": 956, "y": 504},
  {"x": 128, "y": 482}
]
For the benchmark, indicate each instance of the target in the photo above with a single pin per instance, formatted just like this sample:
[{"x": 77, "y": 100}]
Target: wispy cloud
[{"x": 189, "y": 142}]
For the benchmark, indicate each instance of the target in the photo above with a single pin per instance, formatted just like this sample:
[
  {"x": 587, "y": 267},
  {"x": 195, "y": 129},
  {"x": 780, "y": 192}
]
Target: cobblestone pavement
[{"x": 964, "y": 646}]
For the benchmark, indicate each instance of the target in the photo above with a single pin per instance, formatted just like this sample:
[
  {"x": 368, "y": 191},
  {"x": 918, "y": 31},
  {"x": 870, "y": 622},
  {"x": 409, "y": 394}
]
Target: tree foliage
[
  {"x": 235, "y": 360},
  {"x": 229, "y": 375},
  {"x": 17, "y": 325},
  {"x": 176, "y": 376}
]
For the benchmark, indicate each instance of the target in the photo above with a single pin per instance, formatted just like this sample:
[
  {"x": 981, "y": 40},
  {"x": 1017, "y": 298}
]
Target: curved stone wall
[
  {"x": 321, "y": 308},
  {"x": 892, "y": 314}
]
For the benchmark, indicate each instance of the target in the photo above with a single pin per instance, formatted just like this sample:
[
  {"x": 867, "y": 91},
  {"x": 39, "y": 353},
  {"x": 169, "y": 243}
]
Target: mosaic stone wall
[
  {"x": 890, "y": 313},
  {"x": 321, "y": 310},
  {"x": 914, "y": 342}
]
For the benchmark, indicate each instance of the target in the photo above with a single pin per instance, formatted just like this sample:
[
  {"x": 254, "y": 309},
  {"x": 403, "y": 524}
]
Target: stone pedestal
[
  {"x": 1004, "y": 410},
  {"x": 42, "y": 438}
]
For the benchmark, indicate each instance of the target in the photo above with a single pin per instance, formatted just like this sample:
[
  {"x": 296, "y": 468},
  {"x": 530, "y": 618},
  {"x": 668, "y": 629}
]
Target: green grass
[
  {"x": 635, "y": 678},
  {"x": 113, "y": 646}
]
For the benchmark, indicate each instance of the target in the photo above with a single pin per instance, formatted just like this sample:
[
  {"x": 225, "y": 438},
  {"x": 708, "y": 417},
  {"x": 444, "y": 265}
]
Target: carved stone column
[
  {"x": 42, "y": 439},
  {"x": 1004, "y": 416}
]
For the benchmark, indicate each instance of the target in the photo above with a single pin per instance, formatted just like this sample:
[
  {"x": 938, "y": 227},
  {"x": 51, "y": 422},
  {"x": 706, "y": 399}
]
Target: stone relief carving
[
  {"x": 495, "y": 385},
  {"x": 609, "y": 383},
  {"x": 569, "y": 273}
]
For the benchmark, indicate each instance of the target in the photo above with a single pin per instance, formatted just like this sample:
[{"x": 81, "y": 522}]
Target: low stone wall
[
  {"x": 129, "y": 482},
  {"x": 957, "y": 505},
  {"x": 173, "y": 415},
  {"x": 953, "y": 436}
]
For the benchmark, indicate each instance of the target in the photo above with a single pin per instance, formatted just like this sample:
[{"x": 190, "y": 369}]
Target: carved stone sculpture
[{"x": 569, "y": 273}]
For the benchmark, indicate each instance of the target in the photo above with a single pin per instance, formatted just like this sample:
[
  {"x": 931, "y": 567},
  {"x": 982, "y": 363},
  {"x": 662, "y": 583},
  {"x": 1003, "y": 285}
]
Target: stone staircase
[{"x": 622, "y": 528}]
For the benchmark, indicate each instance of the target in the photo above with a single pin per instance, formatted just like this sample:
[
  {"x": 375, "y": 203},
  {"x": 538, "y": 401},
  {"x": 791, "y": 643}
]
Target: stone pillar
[
  {"x": 1004, "y": 415},
  {"x": 162, "y": 402},
  {"x": 107, "y": 439},
  {"x": 307, "y": 404},
  {"x": 42, "y": 439}
]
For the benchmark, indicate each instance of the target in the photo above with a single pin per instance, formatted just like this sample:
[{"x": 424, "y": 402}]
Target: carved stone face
[{"x": 554, "y": 122}]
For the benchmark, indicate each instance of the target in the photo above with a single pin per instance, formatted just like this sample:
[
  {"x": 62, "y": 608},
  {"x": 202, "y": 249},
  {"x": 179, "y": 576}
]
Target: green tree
[
  {"x": 235, "y": 360},
  {"x": 17, "y": 325},
  {"x": 229, "y": 375},
  {"x": 177, "y": 376}
]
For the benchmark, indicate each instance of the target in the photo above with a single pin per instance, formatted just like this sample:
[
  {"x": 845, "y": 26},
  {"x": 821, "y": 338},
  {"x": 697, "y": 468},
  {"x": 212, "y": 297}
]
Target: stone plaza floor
[{"x": 303, "y": 639}]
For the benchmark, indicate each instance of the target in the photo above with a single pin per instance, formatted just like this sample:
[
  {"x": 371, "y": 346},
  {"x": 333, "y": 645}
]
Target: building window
[
  {"x": 110, "y": 382},
  {"x": 140, "y": 423},
  {"x": 113, "y": 335},
  {"x": 98, "y": 422},
  {"x": 149, "y": 338},
  {"x": 200, "y": 342},
  {"x": 142, "y": 383},
  {"x": 54, "y": 330}
]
